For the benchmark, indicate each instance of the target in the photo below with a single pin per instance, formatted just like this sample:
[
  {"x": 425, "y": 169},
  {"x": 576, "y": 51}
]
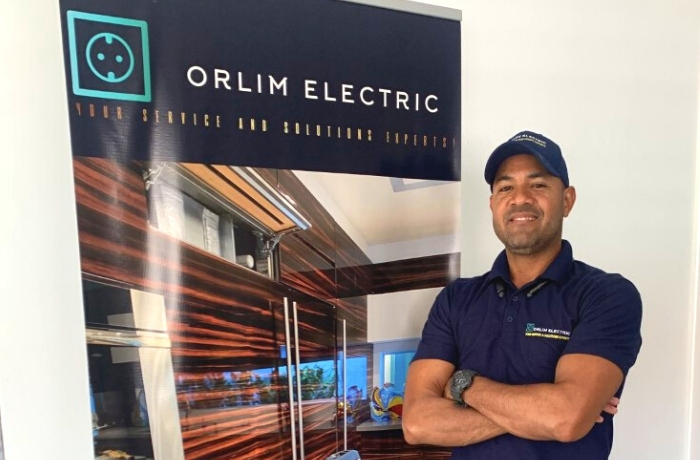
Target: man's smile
[{"x": 522, "y": 217}]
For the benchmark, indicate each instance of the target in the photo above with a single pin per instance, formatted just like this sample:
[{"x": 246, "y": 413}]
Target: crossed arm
[{"x": 564, "y": 411}]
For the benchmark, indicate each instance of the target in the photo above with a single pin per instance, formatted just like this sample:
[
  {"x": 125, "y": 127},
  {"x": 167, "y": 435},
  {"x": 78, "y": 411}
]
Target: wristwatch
[{"x": 460, "y": 381}]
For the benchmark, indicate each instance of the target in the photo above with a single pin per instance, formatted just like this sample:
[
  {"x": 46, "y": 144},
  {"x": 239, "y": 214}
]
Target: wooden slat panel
[
  {"x": 353, "y": 274},
  {"x": 277, "y": 223},
  {"x": 319, "y": 444},
  {"x": 418, "y": 273},
  {"x": 353, "y": 282},
  {"x": 387, "y": 445},
  {"x": 112, "y": 214},
  {"x": 305, "y": 269},
  {"x": 221, "y": 338},
  {"x": 435, "y": 453},
  {"x": 354, "y": 311},
  {"x": 248, "y": 433},
  {"x": 321, "y": 235},
  {"x": 317, "y": 321},
  {"x": 390, "y": 445}
]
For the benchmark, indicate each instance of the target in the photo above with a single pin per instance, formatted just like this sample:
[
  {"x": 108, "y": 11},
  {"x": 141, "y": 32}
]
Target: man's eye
[
  {"x": 506, "y": 188},
  {"x": 539, "y": 185}
]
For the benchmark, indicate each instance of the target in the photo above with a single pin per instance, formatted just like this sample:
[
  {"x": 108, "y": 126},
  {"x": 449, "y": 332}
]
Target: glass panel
[
  {"x": 118, "y": 400},
  {"x": 393, "y": 358},
  {"x": 107, "y": 305},
  {"x": 395, "y": 368},
  {"x": 228, "y": 389},
  {"x": 356, "y": 383},
  {"x": 317, "y": 380},
  {"x": 357, "y": 377}
]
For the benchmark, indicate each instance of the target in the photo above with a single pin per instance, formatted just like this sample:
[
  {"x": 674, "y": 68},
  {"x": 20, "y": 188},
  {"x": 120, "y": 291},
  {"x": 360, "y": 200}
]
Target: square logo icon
[{"x": 109, "y": 57}]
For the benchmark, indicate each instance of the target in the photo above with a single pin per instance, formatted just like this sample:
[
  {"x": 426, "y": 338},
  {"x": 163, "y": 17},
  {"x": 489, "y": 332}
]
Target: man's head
[
  {"x": 530, "y": 193},
  {"x": 546, "y": 151}
]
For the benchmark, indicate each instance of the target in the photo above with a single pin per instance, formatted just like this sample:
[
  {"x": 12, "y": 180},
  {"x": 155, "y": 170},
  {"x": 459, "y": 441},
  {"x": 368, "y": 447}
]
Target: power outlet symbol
[{"x": 109, "y": 57}]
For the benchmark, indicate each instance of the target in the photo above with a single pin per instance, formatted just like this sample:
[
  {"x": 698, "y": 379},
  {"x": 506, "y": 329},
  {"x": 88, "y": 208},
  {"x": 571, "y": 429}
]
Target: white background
[{"x": 615, "y": 83}]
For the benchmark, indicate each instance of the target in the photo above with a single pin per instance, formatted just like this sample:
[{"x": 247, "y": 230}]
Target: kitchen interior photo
[{"x": 237, "y": 312}]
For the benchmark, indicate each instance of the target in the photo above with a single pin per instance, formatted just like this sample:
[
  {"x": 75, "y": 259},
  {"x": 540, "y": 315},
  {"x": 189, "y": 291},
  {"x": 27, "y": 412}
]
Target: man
[{"x": 528, "y": 360}]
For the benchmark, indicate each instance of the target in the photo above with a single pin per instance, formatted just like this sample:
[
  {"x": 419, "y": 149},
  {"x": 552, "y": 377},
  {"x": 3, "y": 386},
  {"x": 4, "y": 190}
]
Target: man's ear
[
  {"x": 491, "y": 202},
  {"x": 569, "y": 199}
]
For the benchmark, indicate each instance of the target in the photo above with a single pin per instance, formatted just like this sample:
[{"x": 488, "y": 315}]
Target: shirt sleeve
[
  {"x": 609, "y": 325},
  {"x": 437, "y": 340}
]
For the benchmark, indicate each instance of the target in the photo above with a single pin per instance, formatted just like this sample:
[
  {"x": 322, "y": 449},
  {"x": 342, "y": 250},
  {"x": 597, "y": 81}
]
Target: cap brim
[{"x": 507, "y": 150}]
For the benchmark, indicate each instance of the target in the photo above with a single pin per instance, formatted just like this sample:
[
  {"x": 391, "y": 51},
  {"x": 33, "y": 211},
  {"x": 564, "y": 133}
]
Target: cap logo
[{"x": 527, "y": 137}]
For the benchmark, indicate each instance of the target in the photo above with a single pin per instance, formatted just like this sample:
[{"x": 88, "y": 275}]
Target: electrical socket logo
[{"x": 109, "y": 57}]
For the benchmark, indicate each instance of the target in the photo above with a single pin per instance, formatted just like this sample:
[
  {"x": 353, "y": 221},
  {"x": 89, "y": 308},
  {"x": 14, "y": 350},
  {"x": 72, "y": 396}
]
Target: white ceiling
[{"x": 380, "y": 210}]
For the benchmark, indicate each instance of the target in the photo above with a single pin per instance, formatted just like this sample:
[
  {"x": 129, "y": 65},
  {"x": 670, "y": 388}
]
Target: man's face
[{"x": 529, "y": 205}]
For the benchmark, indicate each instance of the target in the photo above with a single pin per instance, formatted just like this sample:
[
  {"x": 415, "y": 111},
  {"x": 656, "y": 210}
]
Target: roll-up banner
[
  {"x": 318, "y": 85},
  {"x": 229, "y": 155}
]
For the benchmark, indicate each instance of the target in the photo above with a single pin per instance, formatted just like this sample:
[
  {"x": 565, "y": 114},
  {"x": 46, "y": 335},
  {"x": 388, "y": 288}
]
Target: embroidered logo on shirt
[{"x": 531, "y": 330}]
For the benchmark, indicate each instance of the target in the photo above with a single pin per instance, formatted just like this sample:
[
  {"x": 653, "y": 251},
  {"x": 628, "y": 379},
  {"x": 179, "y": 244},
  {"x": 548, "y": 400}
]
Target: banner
[
  {"x": 262, "y": 187},
  {"x": 308, "y": 84}
]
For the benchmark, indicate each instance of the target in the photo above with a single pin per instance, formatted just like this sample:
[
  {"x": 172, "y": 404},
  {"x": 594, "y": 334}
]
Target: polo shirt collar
[{"x": 558, "y": 271}]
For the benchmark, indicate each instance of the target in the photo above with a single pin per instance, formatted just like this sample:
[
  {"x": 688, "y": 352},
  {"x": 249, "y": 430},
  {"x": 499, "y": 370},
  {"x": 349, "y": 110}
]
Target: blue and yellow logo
[
  {"x": 532, "y": 330},
  {"x": 109, "y": 57}
]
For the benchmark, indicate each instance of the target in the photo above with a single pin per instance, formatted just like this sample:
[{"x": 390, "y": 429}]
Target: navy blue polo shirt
[{"x": 516, "y": 336}]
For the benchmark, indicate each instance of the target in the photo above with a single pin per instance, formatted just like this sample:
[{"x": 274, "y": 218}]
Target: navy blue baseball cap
[{"x": 545, "y": 150}]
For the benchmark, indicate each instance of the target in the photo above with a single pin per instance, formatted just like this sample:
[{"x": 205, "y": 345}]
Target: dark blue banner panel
[{"x": 319, "y": 85}]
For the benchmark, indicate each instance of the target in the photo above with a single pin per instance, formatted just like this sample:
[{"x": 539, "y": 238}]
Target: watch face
[
  {"x": 461, "y": 380},
  {"x": 459, "y": 383}
]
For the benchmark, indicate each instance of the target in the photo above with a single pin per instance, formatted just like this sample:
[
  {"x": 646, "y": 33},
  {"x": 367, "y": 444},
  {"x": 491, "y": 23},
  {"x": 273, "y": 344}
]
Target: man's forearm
[
  {"x": 539, "y": 411},
  {"x": 438, "y": 421}
]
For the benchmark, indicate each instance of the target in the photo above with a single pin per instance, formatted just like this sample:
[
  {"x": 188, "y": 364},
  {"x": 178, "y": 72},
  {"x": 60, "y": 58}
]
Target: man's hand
[
  {"x": 610, "y": 408},
  {"x": 446, "y": 392}
]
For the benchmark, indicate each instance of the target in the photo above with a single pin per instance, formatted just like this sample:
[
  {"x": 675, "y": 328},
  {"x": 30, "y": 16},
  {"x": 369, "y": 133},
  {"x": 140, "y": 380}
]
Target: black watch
[{"x": 460, "y": 381}]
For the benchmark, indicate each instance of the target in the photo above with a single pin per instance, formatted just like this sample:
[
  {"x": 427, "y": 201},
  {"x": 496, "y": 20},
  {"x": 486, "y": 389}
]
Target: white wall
[
  {"x": 43, "y": 362},
  {"x": 398, "y": 315},
  {"x": 615, "y": 83},
  {"x": 694, "y": 399},
  {"x": 310, "y": 181}
]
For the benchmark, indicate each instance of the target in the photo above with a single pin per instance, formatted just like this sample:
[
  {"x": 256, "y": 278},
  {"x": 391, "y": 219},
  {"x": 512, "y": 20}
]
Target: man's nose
[{"x": 522, "y": 195}]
